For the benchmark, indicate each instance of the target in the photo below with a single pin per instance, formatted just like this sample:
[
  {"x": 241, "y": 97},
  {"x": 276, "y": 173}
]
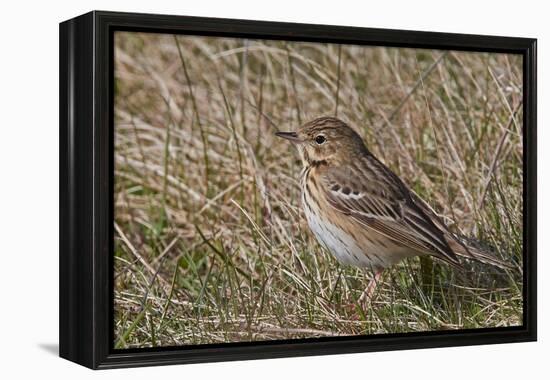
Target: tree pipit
[{"x": 361, "y": 211}]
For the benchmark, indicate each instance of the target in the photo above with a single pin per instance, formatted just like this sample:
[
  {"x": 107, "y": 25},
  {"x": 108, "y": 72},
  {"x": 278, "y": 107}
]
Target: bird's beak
[{"x": 291, "y": 136}]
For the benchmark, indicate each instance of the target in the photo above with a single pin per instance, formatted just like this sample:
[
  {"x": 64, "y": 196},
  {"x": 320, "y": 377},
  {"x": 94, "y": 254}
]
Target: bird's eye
[{"x": 320, "y": 139}]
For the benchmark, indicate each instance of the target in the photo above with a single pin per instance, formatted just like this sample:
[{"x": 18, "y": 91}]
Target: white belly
[
  {"x": 340, "y": 244},
  {"x": 343, "y": 246}
]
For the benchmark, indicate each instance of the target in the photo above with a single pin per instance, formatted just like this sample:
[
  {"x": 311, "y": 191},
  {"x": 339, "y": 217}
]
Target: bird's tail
[
  {"x": 472, "y": 249},
  {"x": 461, "y": 245}
]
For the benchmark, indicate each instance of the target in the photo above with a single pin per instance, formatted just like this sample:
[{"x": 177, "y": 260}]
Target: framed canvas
[{"x": 236, "y": 189}]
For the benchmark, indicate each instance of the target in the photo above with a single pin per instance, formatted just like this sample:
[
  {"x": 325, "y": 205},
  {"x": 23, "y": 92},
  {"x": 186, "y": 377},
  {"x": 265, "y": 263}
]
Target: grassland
[{"x": 210, "y": 243}]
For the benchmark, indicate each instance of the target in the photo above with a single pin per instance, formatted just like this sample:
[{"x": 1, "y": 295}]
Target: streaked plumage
[{"x": 360, "y": 210}]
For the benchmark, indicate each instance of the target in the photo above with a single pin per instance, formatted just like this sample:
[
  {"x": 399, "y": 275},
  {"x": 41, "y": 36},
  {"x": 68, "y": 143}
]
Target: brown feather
[{"x": 400, "y": 219}]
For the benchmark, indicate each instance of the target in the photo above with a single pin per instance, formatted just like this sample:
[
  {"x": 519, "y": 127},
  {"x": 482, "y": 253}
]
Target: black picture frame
[{"x": 86, "y": 188}]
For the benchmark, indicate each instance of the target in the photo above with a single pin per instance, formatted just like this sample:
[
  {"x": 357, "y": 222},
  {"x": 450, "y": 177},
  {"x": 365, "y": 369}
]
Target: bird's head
[{"x": 325, "y": 139}]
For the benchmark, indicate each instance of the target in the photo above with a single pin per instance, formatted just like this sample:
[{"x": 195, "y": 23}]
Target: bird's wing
[{"x": 376, "y": 198}]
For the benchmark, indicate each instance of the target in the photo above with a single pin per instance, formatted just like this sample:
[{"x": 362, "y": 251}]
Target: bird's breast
[{"x": 349, "y": 242}]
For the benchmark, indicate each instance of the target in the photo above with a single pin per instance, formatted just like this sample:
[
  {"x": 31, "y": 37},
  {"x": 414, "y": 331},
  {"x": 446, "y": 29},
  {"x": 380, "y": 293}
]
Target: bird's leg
[
  {"x": 369, "y": 291},
  {"x": 366, "y": 295}
]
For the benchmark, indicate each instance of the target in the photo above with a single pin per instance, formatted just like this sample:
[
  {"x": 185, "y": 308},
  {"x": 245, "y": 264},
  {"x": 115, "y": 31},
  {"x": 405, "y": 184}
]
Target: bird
[{"x": 362, "y": 212}]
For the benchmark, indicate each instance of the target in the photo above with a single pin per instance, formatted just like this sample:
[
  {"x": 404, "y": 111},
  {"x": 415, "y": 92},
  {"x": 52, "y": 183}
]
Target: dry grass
[{"x": 211, "y": 245}]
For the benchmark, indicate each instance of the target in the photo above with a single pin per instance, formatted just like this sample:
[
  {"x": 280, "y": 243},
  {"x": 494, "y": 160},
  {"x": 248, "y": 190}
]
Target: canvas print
[{"x": 281, "y": 190}]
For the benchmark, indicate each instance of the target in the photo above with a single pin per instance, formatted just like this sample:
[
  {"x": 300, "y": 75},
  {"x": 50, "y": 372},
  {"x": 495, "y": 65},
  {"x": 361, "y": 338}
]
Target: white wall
[{"x": 29, "y": 185}]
